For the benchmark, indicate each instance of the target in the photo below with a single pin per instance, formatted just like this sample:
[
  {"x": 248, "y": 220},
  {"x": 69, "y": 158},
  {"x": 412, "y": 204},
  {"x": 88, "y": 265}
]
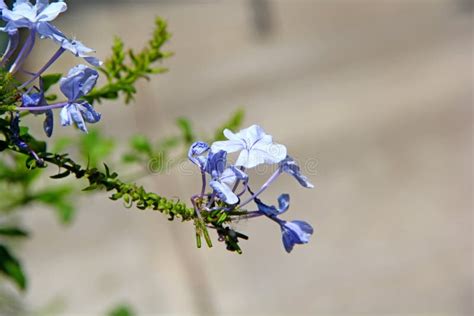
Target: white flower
[{"x": 254, "y": 145}]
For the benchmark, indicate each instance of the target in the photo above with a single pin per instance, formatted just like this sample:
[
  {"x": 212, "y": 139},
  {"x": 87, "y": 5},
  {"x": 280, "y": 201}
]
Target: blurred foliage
[
  {"x": 233, "y": 123},
  {"x": 11, "y": 267},
  {"x": 121, "y": 310},
  {"x": 125, "y": 67}
]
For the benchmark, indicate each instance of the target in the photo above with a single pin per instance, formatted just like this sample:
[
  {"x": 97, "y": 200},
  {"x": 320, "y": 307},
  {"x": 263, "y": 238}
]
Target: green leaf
[
  {"x": 65, "y": 211},
  {"x": 129, "y": 158},
  {"x": 94, "y": 147},
  {"x": 24, "y": 131},
  {"x": 125, "y": 66},
  {"x": 51, "y": 97},
  {"x": 49, "y": 80},
  {"x": 186, "y": 129},
  {"x": 234, "y": 123},
  {"x": 121, "y": 310},
  {"x": 13, "y": 232},
  {"x": 61, "y": 175},
  {"x": 141, "y": 144},
  {"x": 61, "y": 144},
  {"x": 11, "y": 268},
  {"x": 59, "y": 199}
]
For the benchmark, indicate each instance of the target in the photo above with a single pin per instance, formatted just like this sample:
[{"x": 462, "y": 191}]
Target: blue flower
[
  {"x": 36, "y": 18},
  {"x": 293, "y": 232},
  {"x": 270, "y": 211},
  {"x": 79, "y": 82},
  {"x": 222, "y": 178},
  {"x": 38, "y": 99},
  {"x": 254, "y": 145},
  {"x": 196, "y": 152},
  {"x": 290, "y": 166}
]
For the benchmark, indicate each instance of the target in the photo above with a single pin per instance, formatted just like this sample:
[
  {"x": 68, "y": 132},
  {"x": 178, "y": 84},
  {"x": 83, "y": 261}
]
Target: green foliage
[
  {"x": 11, "y": 267},
  {"x": 8, "y": 94},
  {"x": 234, "y": 123},
  {"x": 94, "y": 147},
  {"x": 50, "y": 80},
  {"x": 121, "y": 310},
  {"x": 9, "y": 231},
  {"x": 60, "y": 199},
  {"x": 125, "y": 67},
  {"x": 188, "y": 136}
]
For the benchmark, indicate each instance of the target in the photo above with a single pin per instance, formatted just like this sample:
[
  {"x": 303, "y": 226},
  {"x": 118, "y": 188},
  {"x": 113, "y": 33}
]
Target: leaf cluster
[{"x": 125, "y": 67}]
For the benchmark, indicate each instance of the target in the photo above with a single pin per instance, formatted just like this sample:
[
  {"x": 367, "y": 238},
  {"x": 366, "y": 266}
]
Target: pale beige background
[{"x": 379, "y": 93}]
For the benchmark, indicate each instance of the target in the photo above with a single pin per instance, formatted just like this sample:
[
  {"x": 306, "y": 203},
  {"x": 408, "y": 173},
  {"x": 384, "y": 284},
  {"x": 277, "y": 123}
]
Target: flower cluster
[
  {"x": 229, "y": 183},
  {"x": 36, "y": 20}
]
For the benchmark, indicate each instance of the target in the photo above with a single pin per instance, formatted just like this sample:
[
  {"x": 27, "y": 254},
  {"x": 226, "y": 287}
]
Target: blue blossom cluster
[
  {"x": 229, "y": 183},
  {"x": 80, "y": 80}
]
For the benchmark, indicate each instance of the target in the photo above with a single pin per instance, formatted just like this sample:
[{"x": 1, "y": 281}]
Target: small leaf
[
  {"x": 51, "y": 97},
  {"x": 13, "y": 232},
  {"x": 129, "y": 158},
  {"x": 11, "y": 268},
  {"x": 61, "y": 175},
  {"x": 233, "y": 124},
  {"x": 90, "y": 188},
  {"x": 186, "y": 129},
  {"x": 65, "y": 211},
  {"x": 49, "y": 80},
  {"x": 141, "y": 144}
]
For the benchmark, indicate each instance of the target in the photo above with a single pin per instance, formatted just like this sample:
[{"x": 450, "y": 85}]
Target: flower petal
[
  {"x": 224, "y": 192},
  {"x": 195, "y": 152},
  {"x": 77, "y": 117},
  {"x": 51, "y": 11},
  {"x": 22, "y": 10},
  {"x": 71, "y": 113},
  {"x": 270, "y": 153},
  {"x": 96, "y": 62},
  {"x": 79, "y": 81},
  {"x": 229, "y": 146},
  {"x": 268, "y": 210},
  {"x": 89, "y": 113},
  {"x": 253, "y": 134},
  {"x": 231, "y": 174},
  {"x": 295, "y": 232},
  {"x": 216, "y": 162},
  {"x": 48, "y": 123},
  {"x": 48, "y": 30},
  {"x": 290, "y": 166},
  {"x": 65, "y": 116},
  {"x": 283, "y": 203},
  {"x": 228, "y": 177}
]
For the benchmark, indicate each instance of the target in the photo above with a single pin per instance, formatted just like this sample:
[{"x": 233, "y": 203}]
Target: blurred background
[{"x": 377, "y": 95}]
